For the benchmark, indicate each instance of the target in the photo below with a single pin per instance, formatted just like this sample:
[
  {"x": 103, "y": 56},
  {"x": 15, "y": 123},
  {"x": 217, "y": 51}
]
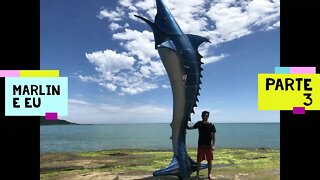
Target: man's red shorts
[{"x": 204, "y": 152}]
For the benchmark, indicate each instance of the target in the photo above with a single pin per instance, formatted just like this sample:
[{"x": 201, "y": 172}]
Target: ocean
[{"x": 79, "y": 138}]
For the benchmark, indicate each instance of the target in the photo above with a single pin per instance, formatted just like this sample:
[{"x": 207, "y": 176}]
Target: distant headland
[{"x": 43, "y": 121}]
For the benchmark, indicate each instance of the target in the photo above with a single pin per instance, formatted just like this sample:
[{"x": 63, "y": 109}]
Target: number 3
[{"x": 308, "y": 97}]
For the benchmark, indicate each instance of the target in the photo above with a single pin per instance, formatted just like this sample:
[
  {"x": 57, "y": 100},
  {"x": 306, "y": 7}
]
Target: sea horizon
[
  {"x": 153, "y": 136},
  {"x": 165, "y": 123}
]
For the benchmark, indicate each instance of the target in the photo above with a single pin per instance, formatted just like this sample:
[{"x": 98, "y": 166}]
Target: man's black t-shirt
[{"x": 205, "y": 130}]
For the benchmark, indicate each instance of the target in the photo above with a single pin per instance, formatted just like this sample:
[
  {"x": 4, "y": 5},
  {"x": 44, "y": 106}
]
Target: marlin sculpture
[{"x": 179, "y": 54}]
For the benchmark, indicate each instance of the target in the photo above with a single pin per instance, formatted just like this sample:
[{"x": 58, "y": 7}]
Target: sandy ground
[
  {"x": 99, "y": 176},
  {"x": 65, "y": 166},
  {"x": 108, "y": 176}
]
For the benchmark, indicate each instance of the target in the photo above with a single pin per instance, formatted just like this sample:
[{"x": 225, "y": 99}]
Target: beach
[{"x": 228, "y": 163}]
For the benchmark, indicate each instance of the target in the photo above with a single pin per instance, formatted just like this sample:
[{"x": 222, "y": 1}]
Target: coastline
[{"x": 228, "y": 163}]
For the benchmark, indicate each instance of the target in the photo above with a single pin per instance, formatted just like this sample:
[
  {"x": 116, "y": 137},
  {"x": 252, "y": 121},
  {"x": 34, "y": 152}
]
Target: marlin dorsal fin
[
  {"x": 145, "y": 20},
  {"x": 159, "y": 36},
  {"x": 196, "y": 40}
]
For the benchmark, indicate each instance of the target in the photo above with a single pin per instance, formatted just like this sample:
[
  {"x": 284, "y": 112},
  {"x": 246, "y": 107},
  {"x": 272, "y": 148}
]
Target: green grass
[{"x": 227, "y": 164}]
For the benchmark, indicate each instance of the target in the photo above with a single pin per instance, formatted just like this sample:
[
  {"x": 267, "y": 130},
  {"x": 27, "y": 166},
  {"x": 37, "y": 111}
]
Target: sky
[{"x": 116, "y": 76}]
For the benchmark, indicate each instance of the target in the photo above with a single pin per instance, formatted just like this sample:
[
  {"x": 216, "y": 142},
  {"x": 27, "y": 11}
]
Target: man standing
[{"x": 206, "y": 142}]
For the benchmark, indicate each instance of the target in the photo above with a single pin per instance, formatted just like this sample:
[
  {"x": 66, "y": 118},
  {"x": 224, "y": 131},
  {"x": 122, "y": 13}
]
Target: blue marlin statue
[{"x": 179, "y": 54}]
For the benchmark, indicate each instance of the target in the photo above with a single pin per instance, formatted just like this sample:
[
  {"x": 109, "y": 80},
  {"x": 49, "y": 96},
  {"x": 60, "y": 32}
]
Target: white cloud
[
  {"x": 87, "y": 112},
  {"x": 146, "y": 4},
  {"x": 126, "y": 25},
  {"x": 119, "y": 70},
  {"x": 110, "y": 61},
  {"x": 109, "y": 108},
  {"x": 213, "y": 59},
  {"x": 138, "y": 44},
  {"x": 88, "y": 78},
  {"x": 236, "y": 21},
  {"x": 260, "y": 8},
  {"x": 111, "y": 15},
  {"x": 274, "y": 26},
  {"x": 112, "y": 65},
  {"x": 125, "y": 3},
  {"x": 138, "y": 69},
  {"x": 78, "y": 102},
  {"x": 139, "y": 88},
  {"x": 154, "y": 68},
  {"x": 188, "y": 15},
  {"x": 114, "y": 26},
  {"x": 109, "y": 86},
  {"x": 165, "y": 86}
]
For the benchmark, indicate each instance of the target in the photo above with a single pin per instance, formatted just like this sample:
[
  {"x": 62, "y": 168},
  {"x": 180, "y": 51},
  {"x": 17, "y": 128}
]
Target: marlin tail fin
[{"x": 173, "y": 168}]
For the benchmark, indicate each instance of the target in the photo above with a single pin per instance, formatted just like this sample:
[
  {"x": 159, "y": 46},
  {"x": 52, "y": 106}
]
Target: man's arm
[
  {"x": 192, "y": 127},
  {"x": 213, "y": 140},
  {"x": 195, "y": 126},
  {"x": 213, "y": 136}
]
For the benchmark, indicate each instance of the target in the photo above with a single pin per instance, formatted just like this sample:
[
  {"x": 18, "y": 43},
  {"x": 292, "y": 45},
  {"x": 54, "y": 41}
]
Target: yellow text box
[
  {"x": 285, "y": 91},
  {"x": 39, "y": 73}
]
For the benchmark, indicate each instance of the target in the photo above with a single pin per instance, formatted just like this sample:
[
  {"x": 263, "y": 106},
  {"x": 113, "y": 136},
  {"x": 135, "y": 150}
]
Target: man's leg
[
  {"x": 200, "y": 157},
  {"x": 209, "y": 156},
  {"x": 209, "y": 169},
  {"x": 198, "y": 169}
]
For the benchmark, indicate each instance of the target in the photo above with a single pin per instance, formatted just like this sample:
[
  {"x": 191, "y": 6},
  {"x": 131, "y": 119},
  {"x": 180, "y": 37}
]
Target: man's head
[{"x": 205, "y": 115}]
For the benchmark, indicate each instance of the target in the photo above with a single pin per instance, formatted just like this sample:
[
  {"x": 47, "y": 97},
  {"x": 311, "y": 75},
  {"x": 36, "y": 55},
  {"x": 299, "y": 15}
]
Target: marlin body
[{"x": 182, "y": 61}]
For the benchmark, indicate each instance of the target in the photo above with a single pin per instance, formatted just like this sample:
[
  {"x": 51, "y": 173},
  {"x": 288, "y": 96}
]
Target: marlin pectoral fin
[
  {"x": 168, "y": 44},
  {"x": 196, "y": 40}
]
